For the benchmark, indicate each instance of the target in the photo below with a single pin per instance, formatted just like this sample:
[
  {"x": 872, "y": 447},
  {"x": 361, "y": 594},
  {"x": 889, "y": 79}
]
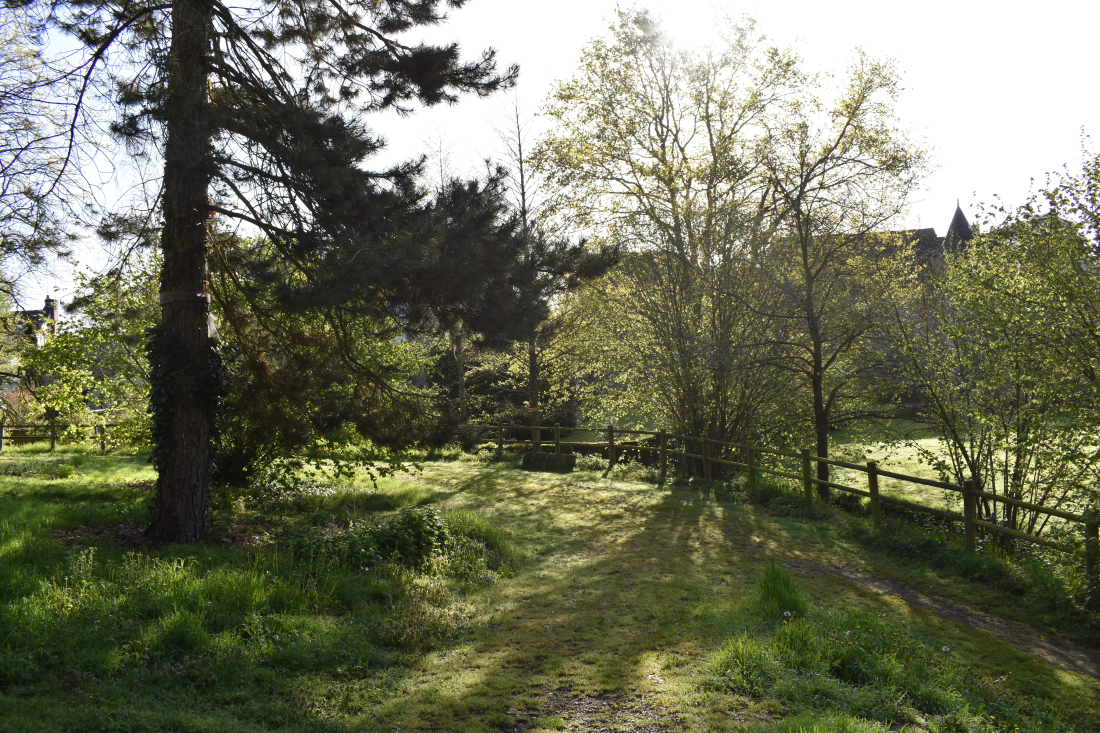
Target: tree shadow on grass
[
  {"x": 627, "y": 591},
  {"x": 621, "y": 610}
]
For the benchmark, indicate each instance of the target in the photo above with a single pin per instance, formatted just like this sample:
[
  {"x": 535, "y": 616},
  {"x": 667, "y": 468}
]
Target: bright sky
[{"x": 1000, "y": 90}]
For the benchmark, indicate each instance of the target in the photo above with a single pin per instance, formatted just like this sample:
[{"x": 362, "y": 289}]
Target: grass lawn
[{"x": 573, "y": 602}]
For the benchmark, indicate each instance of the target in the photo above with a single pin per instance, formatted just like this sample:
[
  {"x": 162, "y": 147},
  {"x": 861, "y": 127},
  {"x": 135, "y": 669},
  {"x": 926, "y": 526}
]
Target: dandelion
[
  {"x": 787, "y": 614},
  {"x": 847, "y": 633},
  {"x": 947, "y": 648}
]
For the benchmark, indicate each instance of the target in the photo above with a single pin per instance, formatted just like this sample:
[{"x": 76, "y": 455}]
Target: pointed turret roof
[{"x": 959, "y": 231}]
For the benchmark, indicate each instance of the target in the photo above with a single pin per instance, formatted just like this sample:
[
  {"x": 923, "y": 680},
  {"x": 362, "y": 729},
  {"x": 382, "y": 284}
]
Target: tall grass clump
[
  {"x": 843, "y": 670},
  {"x": 776, "y": 595}
]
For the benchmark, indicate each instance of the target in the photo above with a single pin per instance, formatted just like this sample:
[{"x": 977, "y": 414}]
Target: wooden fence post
[
  {"x": 1092, "y": 561},
  {"x": 610, "y": 446},
  {"x": 662, "y": 443},
  {"x": 500, "y": 439},
  {"x": 705, "y": 448},
  {"x": 807, "y": 484},
  {"x": 969, "y": 515},
  {"x": 872, "y": 486},
  {"x": 557, "y": 438},
  {"x": 53, "y": 436},
  {"x": 750, "y": 459},
  {"x": 2, "y": 425}
]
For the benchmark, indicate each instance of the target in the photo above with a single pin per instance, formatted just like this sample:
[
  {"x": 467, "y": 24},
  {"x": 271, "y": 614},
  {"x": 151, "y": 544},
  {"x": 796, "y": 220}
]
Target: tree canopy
[
  {"x": 744, "y": 193},
  {"x": 258, "y": 113}
]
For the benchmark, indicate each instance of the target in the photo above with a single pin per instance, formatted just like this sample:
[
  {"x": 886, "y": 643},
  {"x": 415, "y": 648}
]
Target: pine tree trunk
[{"x": 179, "y": 514}]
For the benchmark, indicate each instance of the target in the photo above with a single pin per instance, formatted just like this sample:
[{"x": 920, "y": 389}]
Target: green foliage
[
  {"x": 125, "y": 627},
  {"x": 308, "y": 384},
  {"x": 1042, "y": 585},
  {"x": 459, "y": 544},
  {"x": 662, "y": 338},
  {"x": 738, "y": 193},
  {"x": 652, "y": 583},
  {"x": 94, "y": 373},
  {"x": 994, "y": 346},
  {"x": 815, "y": 723}
]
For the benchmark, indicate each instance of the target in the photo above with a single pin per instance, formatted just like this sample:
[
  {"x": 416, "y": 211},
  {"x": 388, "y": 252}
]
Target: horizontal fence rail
[
  {"x": 15, "y": 434},
  {"x": 709, "y": 452}
]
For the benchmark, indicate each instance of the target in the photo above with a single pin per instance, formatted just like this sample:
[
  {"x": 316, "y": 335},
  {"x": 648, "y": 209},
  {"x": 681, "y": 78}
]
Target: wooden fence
[
  {"x": 666, "y": 444},
  {"x": 22, "y": 434}
]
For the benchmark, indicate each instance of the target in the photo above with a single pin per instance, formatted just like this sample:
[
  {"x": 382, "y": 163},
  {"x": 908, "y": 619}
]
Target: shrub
[
  {"x": 635, "y": 471},
  {"x": 744, "y": 666},
  {"x": 591, "y": 463},
  {"x": 458, "y": 544},
  {"x": 411, "y": 536}
]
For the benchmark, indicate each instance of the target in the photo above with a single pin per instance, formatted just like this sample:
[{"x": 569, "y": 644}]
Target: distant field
[
  {"x": 899, "y": 459},
  {"x": 890, "y": 456}
]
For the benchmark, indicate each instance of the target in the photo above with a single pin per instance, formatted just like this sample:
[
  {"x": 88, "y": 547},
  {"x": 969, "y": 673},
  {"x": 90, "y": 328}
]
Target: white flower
[
  {"x": 787, "y": 614},
  {"x": 947, "y": 648}
]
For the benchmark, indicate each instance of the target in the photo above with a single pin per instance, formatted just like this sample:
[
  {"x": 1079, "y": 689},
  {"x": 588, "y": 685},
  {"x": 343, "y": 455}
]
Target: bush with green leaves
[{"x": 457, "y": 544}]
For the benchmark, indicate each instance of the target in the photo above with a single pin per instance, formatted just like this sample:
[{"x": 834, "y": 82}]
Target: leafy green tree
[
  {"x": 838, "y": 173},
  {"x": 93, "y": 375},
  {"x": 746, "y": 198},
  {"x": 999, "y": 348},
  {"x": 655, "y": 152},
  {"x": 296, "y": 378},
  {"x": 557, "y": 266},
  {"x": 258, "y": 113}
]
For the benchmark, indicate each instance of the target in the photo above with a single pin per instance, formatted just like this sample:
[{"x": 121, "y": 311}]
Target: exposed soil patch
[
  {"x": 131, "y": 535},
  {"x": 241, "y": 534},
  {"x": 610, "y": 713},
  {"x": 1025, "y": 638}
]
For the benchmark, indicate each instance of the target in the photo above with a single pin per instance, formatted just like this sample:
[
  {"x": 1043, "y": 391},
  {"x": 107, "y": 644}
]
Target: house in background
[
  {"x": 930, "y": 248},
  {"x": 37, "y": 325}
]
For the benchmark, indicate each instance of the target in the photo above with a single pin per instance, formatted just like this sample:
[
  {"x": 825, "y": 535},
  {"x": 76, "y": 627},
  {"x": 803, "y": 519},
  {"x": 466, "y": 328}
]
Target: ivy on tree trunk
[{"x": 184, "y": 367}]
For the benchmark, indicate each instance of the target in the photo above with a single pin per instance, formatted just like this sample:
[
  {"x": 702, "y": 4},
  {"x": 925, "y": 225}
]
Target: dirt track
[{"x": 1023, "y": 637}]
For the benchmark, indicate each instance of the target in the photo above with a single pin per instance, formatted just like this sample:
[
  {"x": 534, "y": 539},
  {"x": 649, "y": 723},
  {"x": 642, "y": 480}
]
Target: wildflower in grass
[{"x": 947, "y": 648}]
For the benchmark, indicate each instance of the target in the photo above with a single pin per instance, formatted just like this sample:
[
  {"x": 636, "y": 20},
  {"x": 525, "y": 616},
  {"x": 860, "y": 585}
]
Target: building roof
[
  {"x": 959, "y": 231},
  {"x": 34, "y": 323}
]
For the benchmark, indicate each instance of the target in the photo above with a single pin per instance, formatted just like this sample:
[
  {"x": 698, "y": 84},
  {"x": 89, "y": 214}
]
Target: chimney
[{"x": 51, "y": 312}]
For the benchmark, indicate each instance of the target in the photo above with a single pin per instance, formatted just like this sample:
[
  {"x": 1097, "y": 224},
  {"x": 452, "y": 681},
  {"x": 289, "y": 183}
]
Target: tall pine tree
[{"x": 258, "y": 113}]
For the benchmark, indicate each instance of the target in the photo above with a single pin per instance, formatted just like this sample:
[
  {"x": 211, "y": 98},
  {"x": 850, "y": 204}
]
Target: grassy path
[{"x": 630, "y": 592}]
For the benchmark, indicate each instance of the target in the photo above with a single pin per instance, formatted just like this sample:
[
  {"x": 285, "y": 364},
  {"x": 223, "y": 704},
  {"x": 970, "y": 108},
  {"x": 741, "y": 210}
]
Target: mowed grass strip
[{"x": 617, "y": 610}]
